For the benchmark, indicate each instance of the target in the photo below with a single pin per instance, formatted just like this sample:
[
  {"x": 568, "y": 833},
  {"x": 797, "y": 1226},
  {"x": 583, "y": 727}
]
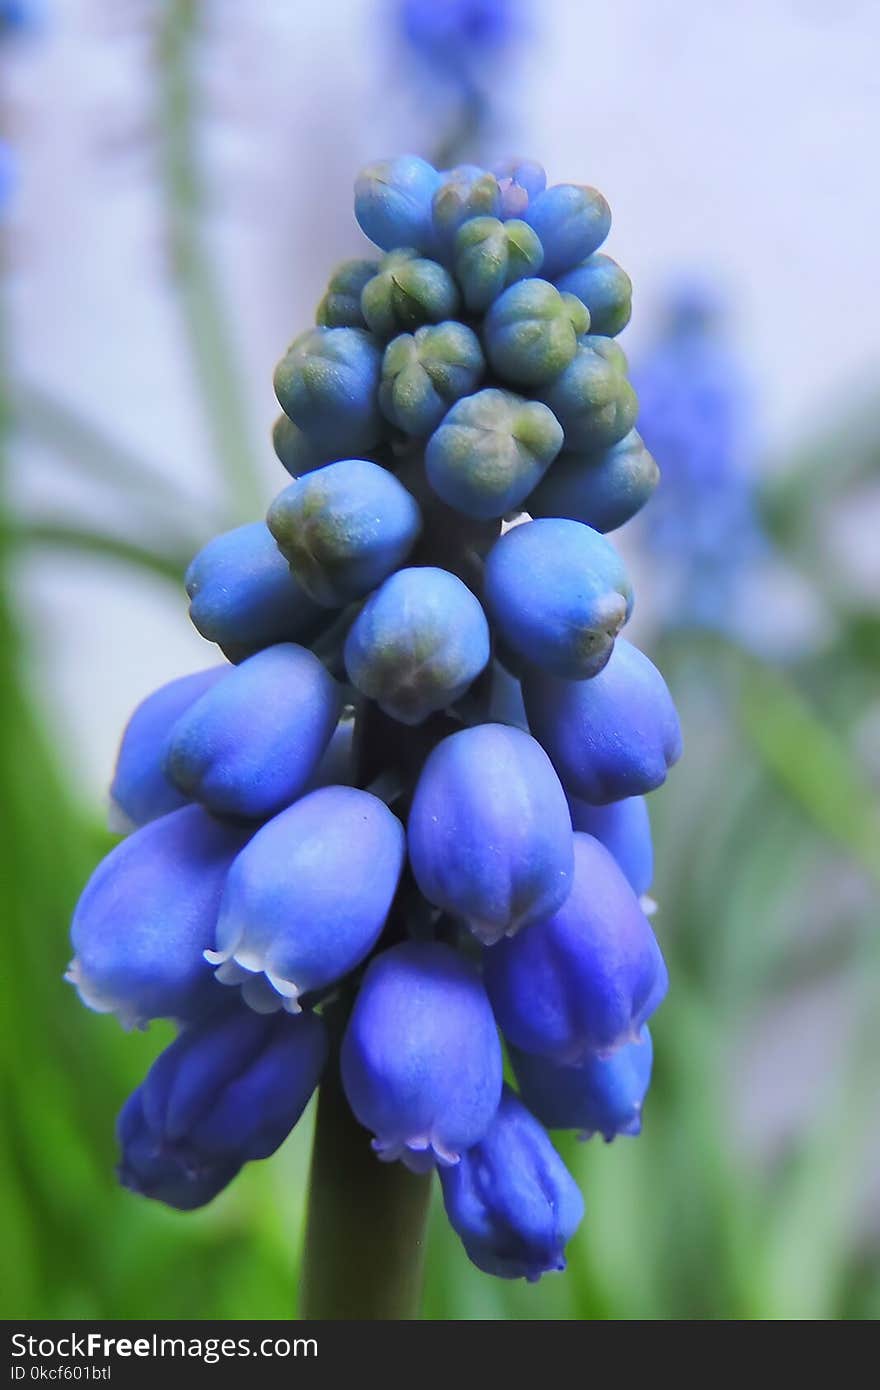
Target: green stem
[
  {"x": 810, "y": 760},
  {"x": 205, "y": 315},
  {"x": 365, "y": 1234},
  {"x": 78, "y": 440},
  {"x": 62, "y": 536},
  {"x": 463, "y": 136}
]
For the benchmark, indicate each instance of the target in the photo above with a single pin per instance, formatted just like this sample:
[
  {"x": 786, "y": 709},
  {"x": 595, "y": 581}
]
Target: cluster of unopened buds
[{"x": 414, "y": 792}]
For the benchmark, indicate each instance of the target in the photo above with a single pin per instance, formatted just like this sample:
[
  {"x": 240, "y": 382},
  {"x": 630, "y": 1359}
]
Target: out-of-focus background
[{"x": 175, "y": 187}]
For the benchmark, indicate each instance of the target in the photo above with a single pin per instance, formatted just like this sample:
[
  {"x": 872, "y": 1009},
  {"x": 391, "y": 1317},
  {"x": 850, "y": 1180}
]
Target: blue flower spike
[
  {"x": 511, "y": 1199},
  {"x": 421, "y": 1060},
  {"x": 226, "y": 1092},
  {"x": 403, "y": 827}
]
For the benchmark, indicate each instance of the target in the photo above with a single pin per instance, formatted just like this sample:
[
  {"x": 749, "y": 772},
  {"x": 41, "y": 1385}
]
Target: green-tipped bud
[
  {"x": 406, "y": 292},
  {"x": 592, "y": 399},
  {"x": 490, "y": 451},
  {"x": 425, "y": 372},
  {"x": 293, "y": 448},
  {"x": 490, "y": 255},
  {"x": 341, "y": 305},
  {"x": 467, "y": 192},
  {"x": 531, "y": 332},
  {"x": 328, "y": 384},
  {"x": 606, "y": 347},
  {"x": 606, "y": 289},
  {"x": 344, "y": 529}
]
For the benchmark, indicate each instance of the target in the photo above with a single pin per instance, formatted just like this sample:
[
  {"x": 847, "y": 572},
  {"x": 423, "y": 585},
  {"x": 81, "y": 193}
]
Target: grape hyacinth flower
[
  {"x": 697, "y": 418},
  {"x": 225, "y": 1092},
  {"x": 402, "y": 825}
]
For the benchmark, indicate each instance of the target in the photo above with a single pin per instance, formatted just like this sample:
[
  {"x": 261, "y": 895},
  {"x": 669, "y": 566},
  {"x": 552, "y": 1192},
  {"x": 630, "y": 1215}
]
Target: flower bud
[
  {"x": 572, "y": 222},
  {"x": 519, "y": 181},
  {"x": 505, "y": 700},
  {"x": 604, "y": 489},
  {"x": 624, "y": 828},
  {"x": 557, "y": 594},
  {"x": 307, "y": 900},
  {"x": 341, "y": 305},
  {"x": 344, "y": 528},
  {"x": 532, "y": 332},
  {"x": 511, "y": 1199},
  {"x": 464, "y": 193},
  {"x": 406, "y": 292},
  {"x": 592, "y": 398},
  {"x": 147, "y": 1171},
  {"x": 146, "y": 915},
  {"x": 605, "y": 289},
  {"x": 418, "y": 643},
  {"x": 491, "y": 254},
  {"x": 490, "y": 451},
  {"x": 426, "y": 372},
  {"x": 586, "y": 979},
  {"x": 328, "y": 382},
  {"x": 489, "y": 831},
  {"x": 227, "y": 1091},
  {"x": 421, "y": 1060},
  {"x": 243, "y": 596},
  {"x": 140, "y": 791},
  {"x": 610, "y": 737},
  {"x": 604, "y": 1095},
  {"x": 237, "y": 764},
  {"x": 293, "y": 449},
  {"x": 392, "y": 202}
]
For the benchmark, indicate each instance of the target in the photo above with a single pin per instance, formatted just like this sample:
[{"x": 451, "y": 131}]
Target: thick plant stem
[{"x": 365, "y": 1235}]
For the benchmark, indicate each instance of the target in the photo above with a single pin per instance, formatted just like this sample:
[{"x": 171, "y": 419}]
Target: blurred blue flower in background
[
  {"x": 697, "y": 419},
  {"x": 8, "y": 175},
  {"x": 19, "y": 16},
  {"x": 457, "y": 39},
  {"x": 456, "y": 51}
]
